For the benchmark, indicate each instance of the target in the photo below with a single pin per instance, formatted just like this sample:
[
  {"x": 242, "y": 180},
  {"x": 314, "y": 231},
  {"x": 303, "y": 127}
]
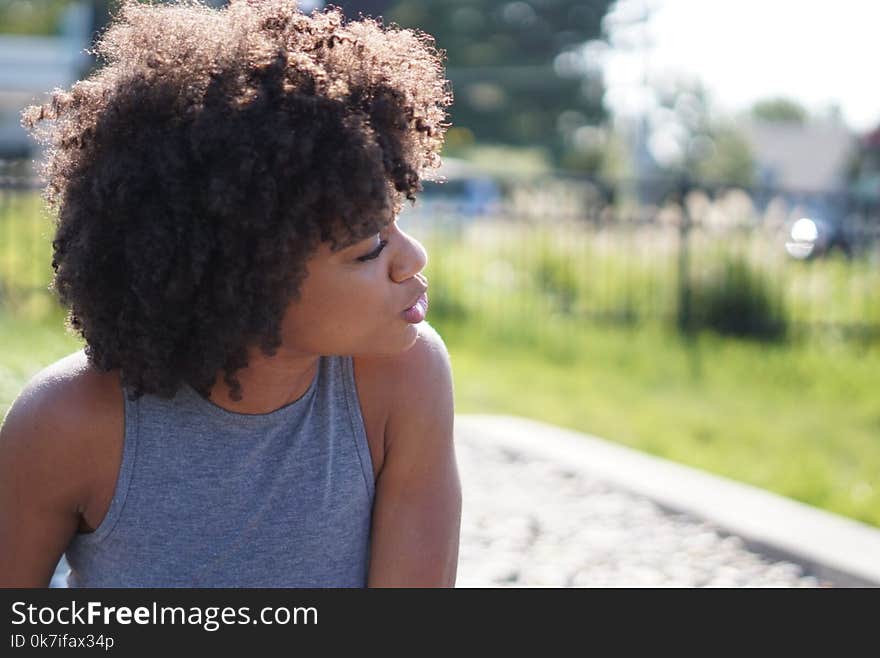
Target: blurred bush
[
  {"x": 556, "y": 278},
  {"x": 736, "y": 299}
]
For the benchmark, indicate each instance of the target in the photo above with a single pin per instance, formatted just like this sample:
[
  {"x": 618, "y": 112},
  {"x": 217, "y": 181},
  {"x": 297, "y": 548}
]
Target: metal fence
[
  {"x": 767, "y": 263},
  {"x": 25, "y": 236}
]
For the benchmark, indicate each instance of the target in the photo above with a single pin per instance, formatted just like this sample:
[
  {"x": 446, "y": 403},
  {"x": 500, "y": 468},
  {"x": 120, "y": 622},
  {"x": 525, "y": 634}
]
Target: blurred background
[{"x": 659, "y": 223}]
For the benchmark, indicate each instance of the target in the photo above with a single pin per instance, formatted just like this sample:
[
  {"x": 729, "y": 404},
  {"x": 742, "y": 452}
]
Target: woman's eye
[{"x": 375, "y": 253}]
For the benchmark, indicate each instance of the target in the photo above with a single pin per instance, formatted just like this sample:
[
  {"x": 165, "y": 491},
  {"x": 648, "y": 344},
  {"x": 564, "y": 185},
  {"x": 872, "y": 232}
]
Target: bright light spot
[
  {"x": 665, "y": 144},
  {"x": 804, "y": 230},
  {"x": 799, "y": 250}
]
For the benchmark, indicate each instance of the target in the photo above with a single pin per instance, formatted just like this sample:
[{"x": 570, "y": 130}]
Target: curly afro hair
[{"x": 197, "y": 170}]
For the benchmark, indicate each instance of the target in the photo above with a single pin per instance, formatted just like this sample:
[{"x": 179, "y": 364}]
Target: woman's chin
[{"x": 396, "y": 343}]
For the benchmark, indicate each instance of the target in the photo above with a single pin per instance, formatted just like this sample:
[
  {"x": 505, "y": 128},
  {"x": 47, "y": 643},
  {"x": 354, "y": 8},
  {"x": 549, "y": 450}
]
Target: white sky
[{"x": 813, "y": 51}]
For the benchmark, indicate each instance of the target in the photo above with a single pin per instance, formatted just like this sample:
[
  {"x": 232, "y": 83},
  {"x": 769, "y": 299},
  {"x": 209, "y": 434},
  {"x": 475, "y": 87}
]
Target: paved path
[{"x": 530, "y": 522}]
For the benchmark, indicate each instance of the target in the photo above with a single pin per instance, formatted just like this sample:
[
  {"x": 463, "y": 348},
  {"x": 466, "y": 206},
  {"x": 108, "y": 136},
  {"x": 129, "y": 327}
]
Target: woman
[{"x": 259, "y": 402}]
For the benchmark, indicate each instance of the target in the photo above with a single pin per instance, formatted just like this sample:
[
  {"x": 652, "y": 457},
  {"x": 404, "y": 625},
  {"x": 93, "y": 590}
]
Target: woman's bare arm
[
  {"x": 44, "y": 475},
  {"x": 417, "y": 510}
]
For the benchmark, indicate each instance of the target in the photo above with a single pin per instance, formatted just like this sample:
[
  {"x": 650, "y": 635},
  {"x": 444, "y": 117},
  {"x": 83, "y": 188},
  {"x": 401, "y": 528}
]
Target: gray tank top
[{"x": 206, "y": 497}]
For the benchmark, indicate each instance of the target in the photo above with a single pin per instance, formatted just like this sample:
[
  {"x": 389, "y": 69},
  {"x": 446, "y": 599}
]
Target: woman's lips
[{"x": 417, "y": 312}]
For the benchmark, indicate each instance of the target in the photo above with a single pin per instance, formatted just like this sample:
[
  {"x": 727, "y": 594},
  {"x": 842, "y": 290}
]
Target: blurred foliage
[
  {"x": 709, "y": 148},
  {"x": 739, "y": 300},
  {"x": 515, "y": 70},
  {"x": 28, "y": 17},
  {"x": 556, "y": 279},
  {"x": 599, "y": 151},
  {"x": 730, "y": 159},
  {"x": 779, "y": 110},
  {"x": 513, "y": 65},
  {"x": 25, "y": 248},
  {"x": 503, "y": 161}
]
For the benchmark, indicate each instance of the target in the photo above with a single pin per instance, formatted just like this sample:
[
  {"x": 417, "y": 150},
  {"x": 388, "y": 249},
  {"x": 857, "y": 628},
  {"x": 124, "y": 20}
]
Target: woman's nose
[{"x": 409, "y": 259}]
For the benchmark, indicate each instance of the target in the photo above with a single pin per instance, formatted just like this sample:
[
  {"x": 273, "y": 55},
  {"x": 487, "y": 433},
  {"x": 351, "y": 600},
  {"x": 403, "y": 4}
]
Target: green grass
[
  {"x": 802, "y": 421},
  {"x": 32, "y": 339},
  {"x": 25, "y": 246}
]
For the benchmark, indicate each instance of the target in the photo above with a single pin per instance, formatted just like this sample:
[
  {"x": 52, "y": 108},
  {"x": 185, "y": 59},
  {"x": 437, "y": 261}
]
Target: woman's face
[{"x": 354, "y": 305}]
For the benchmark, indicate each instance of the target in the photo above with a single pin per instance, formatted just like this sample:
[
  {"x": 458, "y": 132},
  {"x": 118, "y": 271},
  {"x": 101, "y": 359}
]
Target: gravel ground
[{"x": 536, "y": 523}]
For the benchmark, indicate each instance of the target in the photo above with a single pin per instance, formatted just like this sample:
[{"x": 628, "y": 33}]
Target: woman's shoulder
[
  {"x": 72, "y": 391},
  {"x": 424, "y": 370},
  {"x": 69, "y": 414},
  {"x": 403, "y": 391},
  {"x": 58, "y": 442},
  {"x": 422, "y": 361},
  {"x": 426, "y": 358}
]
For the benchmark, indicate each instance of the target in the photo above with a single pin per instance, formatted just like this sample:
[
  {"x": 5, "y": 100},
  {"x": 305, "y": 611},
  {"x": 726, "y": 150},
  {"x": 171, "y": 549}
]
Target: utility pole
[{"x": 635, "y": 123}]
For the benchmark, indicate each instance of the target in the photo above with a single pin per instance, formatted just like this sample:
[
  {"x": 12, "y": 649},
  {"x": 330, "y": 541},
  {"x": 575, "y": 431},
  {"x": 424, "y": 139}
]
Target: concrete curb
[{"x": 830, "y": 547}]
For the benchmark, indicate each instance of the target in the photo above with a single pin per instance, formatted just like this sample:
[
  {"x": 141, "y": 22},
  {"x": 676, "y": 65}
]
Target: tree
[
  {"x": 730, "y": 159},
  {"x": 687, "y": 136},
  {"x": 17, "y": 17},
  {"x": 779, "y": 110},
  {"x": 515, "y": 67}
]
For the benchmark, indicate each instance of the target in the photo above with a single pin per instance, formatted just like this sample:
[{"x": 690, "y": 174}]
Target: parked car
[{"x": 815, "y": 237}]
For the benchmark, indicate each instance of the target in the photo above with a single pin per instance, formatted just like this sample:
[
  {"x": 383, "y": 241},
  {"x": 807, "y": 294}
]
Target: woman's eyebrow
[
  {"x": 354, "y": 243},
  {"x": 357, "y": 240}
]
